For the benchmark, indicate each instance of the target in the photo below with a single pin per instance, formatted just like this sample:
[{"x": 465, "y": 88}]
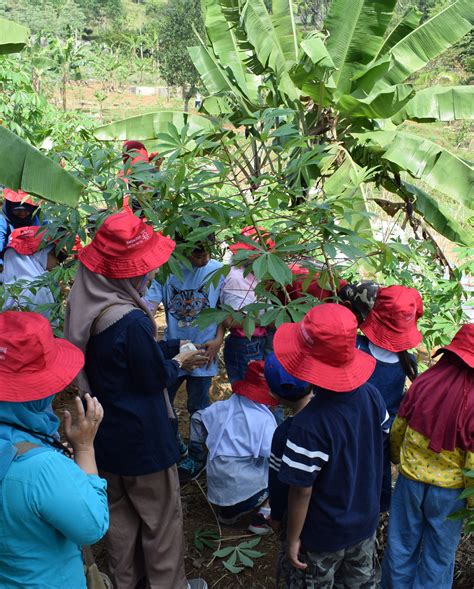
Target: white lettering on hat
[
  {"x": 307, "y": 338},
  {"x": 140, "y": 238},
  {"x": 3, "y": 353}
]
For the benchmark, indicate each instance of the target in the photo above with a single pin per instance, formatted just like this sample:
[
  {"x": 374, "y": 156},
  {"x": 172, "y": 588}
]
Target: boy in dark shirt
[
  {"x": 295, "y": 394},
  {"x": 334, "y": 453}
]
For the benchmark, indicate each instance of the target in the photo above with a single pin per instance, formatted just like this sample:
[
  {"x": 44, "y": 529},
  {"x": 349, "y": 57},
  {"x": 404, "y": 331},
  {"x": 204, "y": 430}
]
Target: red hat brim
[
  {"x": 385, "y": 337},
  {"x": 20, "y": 387},
  {"x": 254, "y": 393},
  {"x": 295, "y": 357},
  {"x": 156, "y": 252}
]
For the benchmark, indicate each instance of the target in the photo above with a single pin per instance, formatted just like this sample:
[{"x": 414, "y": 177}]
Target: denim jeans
[
  {"x": 245, "y": 506},
  {"x": 238, "y": 352},
  {"x": 197, "y": 388},
  {"x": 422, "y": 543}
]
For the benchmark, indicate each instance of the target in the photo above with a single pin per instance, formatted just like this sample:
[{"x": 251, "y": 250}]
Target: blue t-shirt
[
  {"x": 183, "y": 301},
  {"x": 127, "y": 371},
  {"x": 388, "y": 378},
  {"x": 278, "y": 491},
  {"x": 335, "y": 446}
]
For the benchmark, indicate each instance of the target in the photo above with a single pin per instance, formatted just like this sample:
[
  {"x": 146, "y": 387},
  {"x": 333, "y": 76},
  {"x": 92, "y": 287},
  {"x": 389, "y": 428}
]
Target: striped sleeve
[{"x": 304, "y": 457}]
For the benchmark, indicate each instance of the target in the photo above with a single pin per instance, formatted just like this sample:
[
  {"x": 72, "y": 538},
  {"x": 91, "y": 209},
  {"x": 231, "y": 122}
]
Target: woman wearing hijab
[
  {"x": 129, "y": 372},
  {"x": 50, "y": 504},
  {"x": 432, "y": 440},
  {"x": 18, "y": 210}
]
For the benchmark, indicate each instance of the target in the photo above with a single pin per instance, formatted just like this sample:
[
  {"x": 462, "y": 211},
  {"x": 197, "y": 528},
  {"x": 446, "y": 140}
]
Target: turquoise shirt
[{"x": 49, "y": 507}]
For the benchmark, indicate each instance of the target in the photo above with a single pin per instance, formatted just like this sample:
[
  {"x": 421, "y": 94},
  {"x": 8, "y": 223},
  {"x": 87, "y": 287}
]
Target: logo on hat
[{"x": 3, "y": 353}]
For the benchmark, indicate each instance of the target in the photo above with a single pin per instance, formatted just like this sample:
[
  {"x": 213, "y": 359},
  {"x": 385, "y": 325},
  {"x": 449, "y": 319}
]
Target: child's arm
[
  {"x": 298, "y": 503},
  {"x": 397, "y": 433}
]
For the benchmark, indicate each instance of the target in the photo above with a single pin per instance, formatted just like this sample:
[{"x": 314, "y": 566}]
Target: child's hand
[
  {"x": 293, "y": 552},
  {"x": 212, "y": 348}
]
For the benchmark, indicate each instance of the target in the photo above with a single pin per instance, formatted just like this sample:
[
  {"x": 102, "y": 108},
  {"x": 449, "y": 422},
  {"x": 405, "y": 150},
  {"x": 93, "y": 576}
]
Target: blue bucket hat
[{"x": 281, "y": 383}]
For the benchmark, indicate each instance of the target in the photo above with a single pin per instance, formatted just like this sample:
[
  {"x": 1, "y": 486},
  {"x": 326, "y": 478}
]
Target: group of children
[{"x": 322, "y": 476}]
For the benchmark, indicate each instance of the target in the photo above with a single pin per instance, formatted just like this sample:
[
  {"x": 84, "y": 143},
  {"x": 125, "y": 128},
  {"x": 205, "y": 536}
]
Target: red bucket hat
[
  {"x": 33, "y": 363},
  {"x": 254, "y": 386},
  {"x": 321, "y": 349},
  {"x": 392, "y": 322},
  {"x": 27, "y": 240},
  {"x": 19, "y": 197},
  {"x": 125, "y": 247},
  {"x": 462, "y": 345},
  {"x": 251, "y": 232}
]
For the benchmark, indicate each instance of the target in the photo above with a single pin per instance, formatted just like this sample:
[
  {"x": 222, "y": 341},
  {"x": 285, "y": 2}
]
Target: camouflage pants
[{"x": 349, "y": 568}]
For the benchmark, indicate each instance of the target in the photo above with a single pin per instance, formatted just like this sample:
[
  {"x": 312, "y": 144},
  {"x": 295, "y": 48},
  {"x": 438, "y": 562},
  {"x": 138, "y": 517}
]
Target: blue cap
[{"x": 281, "y": 383}]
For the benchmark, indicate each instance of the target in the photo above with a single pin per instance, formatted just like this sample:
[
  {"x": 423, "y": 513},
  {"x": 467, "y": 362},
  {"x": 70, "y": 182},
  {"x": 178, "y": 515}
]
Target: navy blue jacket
[{"x": 128, "y": 370}]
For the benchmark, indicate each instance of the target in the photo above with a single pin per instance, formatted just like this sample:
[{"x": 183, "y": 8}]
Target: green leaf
[
  {"x": 410, "y": 21},
  {"x": 223, "y": 552},
  {"x": 226, "y": 48},
  {"x": 429, "y": 40},
  {"x": 278, "y": 270},
  {"x": 250, "y": 543},
  {"x": 251, "y": 553},
  {"x": 233, "y": 569},
  {"x": 150, "y": 125},
  {"x": 356, "y": 32},
  {"x": 249, "y": 326},
  {"x": 380, "y": 104},
  {"x": 468, "y": 492},
  {"x": 439, "y": 103},
  {"x": 260, "y": 267},
  {"x": 25, "y": 168},
  {"x": 437, "y": 215},
  {"x": 245, "y": 560},
  {"x": 425, "y": 160},
  {"x": 13, "y": 37}
]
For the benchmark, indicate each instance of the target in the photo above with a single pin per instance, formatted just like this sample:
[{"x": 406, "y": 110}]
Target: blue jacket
[{"x": 48, "y": 508}]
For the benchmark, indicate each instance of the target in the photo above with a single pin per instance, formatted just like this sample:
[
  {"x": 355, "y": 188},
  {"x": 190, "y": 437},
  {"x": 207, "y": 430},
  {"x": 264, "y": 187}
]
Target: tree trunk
[
  {"x": 63, "y": 91},
  {"x": 186, "y": 96}
]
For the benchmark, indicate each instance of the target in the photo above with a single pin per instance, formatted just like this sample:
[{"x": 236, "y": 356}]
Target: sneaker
[
  {"x": 197, "y": 584},
  {"x": 183, "y": 448},
  {"x": 259, "y": 525},
  {"x": 189, "y": 469}
]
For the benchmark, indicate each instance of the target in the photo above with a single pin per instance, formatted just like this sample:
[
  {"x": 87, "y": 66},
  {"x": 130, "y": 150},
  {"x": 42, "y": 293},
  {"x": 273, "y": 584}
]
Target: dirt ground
[{"x": 198, "y": 515}]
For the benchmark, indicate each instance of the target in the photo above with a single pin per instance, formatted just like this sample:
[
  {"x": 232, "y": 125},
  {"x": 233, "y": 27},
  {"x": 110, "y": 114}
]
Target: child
[
  {"x": 238, "y": 291},
  {"x": 24, "y": 261},
  {"x": 390, "y": 330},
  {"x": 238, "y": 434},
  {"x": 334, "y": 453},
  {"x": 184, "y": 299},
  {"x": 432, "y": 440}
]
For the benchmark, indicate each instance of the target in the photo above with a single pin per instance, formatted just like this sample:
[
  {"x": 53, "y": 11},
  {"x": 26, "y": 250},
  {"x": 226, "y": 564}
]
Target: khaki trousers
[{"x": 145, "y": 537}]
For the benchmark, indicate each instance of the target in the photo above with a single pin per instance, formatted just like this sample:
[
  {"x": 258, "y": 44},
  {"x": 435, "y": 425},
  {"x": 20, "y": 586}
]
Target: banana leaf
[
  {"x": 437, "y": 215},
  {"x": 13, "y": 37},
  {"x": 271, "y": 38},
  {"x": 430, "y": 40},
  {"x": 150, "y": 125},
  {"x": 225, "y": 46},
  {"x": 439, "y": 103},
  {"x": 25, "y": 168},
  {"x": 313, "y": 74},
  {"x": 340, "y": 184},
  {"x": 379, "y": 105},
  {"x": 425, "y": 160},
  {"x": 356, "y": 33},
  {"x": 410, "y": 21}
]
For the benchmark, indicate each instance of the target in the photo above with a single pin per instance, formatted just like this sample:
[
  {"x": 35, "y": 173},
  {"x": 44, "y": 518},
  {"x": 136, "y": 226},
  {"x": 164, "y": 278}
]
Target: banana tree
[
  {"x": 24, "y": 167},
  {"x": 348, "y": 89}
]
